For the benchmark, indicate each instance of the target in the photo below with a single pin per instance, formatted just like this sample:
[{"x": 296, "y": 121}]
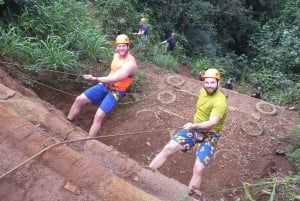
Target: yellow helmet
[
  {"x": 143, "y": 20},
  {"x": 211, "y": 72},
  {"x": 122, "y": 38}
]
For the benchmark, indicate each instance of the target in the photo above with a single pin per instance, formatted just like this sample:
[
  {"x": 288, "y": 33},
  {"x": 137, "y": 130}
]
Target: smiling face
[
  {"x": 211, "y": 85},
  {"x": 122, "y": 49}
]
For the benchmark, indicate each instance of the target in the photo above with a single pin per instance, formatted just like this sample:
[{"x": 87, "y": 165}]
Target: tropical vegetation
[{"x": 257, "y": 43}]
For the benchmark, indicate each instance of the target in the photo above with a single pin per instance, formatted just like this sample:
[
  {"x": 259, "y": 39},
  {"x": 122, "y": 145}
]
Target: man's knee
[
  {"x": 81, "y": 99},
  {"x": 198, "y": 168},
  {"x": 100, "y": 114},
  {"x": 172, "y": 147}
]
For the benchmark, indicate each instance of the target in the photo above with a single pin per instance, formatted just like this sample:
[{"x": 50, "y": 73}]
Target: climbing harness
[
  {"x": 200, "y": 136},
  {"x": 116, "y": 95}
]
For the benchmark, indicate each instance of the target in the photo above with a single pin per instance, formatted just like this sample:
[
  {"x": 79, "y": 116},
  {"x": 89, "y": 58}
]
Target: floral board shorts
[{"x": 205, "y": 143}]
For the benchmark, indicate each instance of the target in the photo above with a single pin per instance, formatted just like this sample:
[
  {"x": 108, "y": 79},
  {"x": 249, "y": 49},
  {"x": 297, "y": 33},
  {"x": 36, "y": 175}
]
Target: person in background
[
  {"x": 203, "y": 133},
  {"x": 143, "y": 32},
  {"x": 257, "y": 93},
  {"x": 228, "y": 84},
  {"x": 201, "y": 74},
  {"x": 109, "y": 89},
  {"x": 171, "y": 42}
]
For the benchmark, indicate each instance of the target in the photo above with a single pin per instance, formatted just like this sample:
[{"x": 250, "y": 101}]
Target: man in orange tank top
[{"x": 109, "y": 89}]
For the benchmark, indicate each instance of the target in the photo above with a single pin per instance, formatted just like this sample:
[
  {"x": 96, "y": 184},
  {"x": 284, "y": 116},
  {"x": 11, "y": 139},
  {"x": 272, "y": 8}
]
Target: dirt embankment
[{"x": 110, "y": 167}]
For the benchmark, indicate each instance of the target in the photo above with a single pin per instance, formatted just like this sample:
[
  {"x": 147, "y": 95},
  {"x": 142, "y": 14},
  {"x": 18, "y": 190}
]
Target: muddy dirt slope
[{"x": 45, "y": 157}]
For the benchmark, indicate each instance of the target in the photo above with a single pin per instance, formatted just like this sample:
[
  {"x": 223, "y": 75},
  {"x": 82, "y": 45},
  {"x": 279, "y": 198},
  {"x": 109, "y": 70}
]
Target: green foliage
[
  {"x": 233, "y": 25},
  {"x": 200, "y": 64},
  {"x": 294, "y": 149},
  {"x": 90, "y": 45},
  {"x": 118, "y": 16},
  {"x": 277, "y": 43},
  {"x": 13, "y": 44},
  {"x": 199, "y": 30},
  {"x": 179, "y": 52},
  {"x": 276, "y": 46},
  {"x": 54, "y": 55},
  {"x": 234, "y": 66},
  {"x": 264, "y": 10},
  {"x": 59, "y": 35},
  {"x": 71, "y": 22},
  {"x": 277, "y": 188},
  {"x": 45, "y": 17},
  {"x": 139, "y": 84},
  {"x": 277, "y": 87},
  {"x": 166, "y": 61},
  {"x": 55, "y": 35},
  {"x": 276, "y": 61},
  {"x": 247, "y": 191}
]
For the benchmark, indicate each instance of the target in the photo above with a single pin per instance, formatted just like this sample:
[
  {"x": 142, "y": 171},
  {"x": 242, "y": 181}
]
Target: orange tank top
[{"x": 116, "y": 64}]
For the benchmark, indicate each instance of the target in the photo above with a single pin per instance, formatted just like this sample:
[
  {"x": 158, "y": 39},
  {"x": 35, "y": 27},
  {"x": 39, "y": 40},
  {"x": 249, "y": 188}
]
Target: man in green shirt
[{"x": 203, "y": 133}]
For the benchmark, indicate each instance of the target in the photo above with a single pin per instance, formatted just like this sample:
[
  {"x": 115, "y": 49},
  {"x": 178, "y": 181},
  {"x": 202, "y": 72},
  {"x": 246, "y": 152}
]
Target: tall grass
[
  {"x": 58, "y": 35},
  {"x": 166, "y": 61},
  {"x": 53, "y": 54},
  {"x": 277, "y": 188},
  {"x": 294, "y": 149},
  {"x": 13, "y": 44}
]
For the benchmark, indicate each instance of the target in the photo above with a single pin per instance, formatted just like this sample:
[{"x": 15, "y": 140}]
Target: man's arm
[
  {"x": 141, "y": 32},
  {"x": 127, "y": 69},
  {"x": 205, "y": 125}
]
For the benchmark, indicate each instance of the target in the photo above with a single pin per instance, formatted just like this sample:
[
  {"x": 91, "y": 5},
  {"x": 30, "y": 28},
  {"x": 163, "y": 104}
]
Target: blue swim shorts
[
  {"x": 205, "y": 143},
  {"x": 101, "y": 94}
]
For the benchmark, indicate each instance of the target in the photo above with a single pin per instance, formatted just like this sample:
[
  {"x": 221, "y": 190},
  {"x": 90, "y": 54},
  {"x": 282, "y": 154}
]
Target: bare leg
[
  {"x": 96, "y": 126},
  {"x": 197, "y": 175},
  {"x": 77, "y": 105},
  {"x": 169, "y": 149}
]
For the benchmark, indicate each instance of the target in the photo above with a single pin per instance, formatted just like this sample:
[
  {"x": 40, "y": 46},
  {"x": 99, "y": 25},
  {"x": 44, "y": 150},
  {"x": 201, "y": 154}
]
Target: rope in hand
[
  {"x": 143, "y": 98},
  {"x": 71, "y": 141}
]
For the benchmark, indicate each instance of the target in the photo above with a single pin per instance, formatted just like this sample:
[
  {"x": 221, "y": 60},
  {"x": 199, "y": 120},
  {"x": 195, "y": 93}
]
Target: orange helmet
[
  {"x": 122, "y": 38},
  {"x": 143, "y": 20},
  {"x": 211, "y": 72}
]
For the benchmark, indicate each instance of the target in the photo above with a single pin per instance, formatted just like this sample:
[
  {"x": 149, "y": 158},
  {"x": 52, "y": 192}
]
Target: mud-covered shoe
[
  {"x": 197, "y": 195},
  {"x": 149, "y": 168},
  {"x": 70, "y": 120}
]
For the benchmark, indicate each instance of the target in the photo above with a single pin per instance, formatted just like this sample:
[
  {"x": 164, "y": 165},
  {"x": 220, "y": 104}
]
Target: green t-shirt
[{"x": 211, "y": 105}]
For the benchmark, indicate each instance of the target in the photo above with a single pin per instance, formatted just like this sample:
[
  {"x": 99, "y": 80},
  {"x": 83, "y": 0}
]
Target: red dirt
[{"x": 146, "y": 125}]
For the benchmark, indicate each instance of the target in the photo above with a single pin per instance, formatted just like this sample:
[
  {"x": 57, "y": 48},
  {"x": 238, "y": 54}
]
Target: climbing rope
[
  {"x": 71, "y": 141},
  {"x": 32, "y": 82}
]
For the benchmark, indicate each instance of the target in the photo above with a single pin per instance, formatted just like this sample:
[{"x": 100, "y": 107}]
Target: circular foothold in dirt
[
  {"x": 266, "y": 108},
  {"x": 146, "y": 110},
  {"x": 252, "y": 128},
  {"x": 164, "y": 97},
  {"x": 175, "y": 80}
]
